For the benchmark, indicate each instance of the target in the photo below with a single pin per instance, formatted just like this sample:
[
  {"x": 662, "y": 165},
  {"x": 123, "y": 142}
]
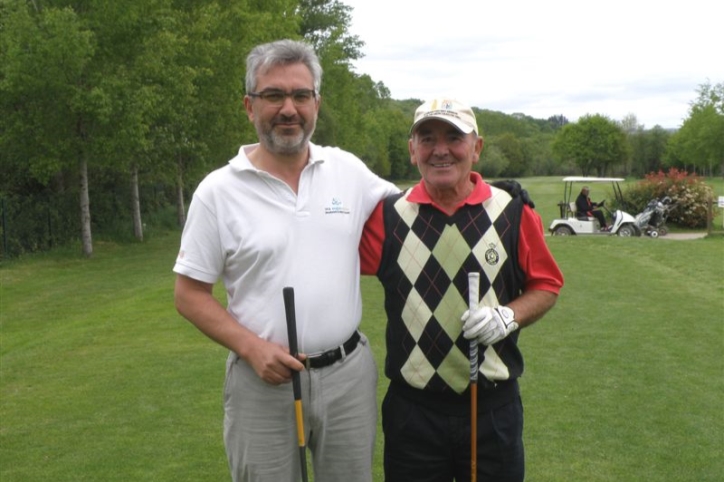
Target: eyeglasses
[{"x": 300, "y": 97}]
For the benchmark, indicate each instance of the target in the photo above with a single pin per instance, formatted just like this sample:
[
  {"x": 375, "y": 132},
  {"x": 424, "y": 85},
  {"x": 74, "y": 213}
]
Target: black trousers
[
  {"x": 600, "y": 216},
  {"x": 425, "y": 445}
]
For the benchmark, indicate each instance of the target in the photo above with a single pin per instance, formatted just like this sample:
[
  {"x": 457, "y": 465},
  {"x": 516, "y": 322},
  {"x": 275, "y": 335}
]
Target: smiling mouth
[
  {"x": 291, "y": 127},
  {"x": 441, "y": 165}
]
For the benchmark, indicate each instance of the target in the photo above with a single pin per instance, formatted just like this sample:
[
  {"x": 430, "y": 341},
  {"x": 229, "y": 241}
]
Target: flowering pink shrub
[{"x": 688, "y": 191}]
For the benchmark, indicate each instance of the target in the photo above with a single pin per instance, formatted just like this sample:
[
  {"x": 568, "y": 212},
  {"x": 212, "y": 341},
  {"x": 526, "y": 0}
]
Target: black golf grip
[
  {"x": 288, "y": 293},
  {"x": 289, "y": 309}
]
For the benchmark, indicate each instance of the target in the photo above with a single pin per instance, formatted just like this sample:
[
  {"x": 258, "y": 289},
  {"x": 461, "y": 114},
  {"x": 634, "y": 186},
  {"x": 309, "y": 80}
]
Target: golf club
[
  {"x": 473, "y": 297},
  {"x": 288, "y": 294}
]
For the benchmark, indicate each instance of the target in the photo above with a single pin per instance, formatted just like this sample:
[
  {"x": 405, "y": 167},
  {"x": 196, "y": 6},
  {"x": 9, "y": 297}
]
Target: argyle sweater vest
[{"x": 426, "y": 258}]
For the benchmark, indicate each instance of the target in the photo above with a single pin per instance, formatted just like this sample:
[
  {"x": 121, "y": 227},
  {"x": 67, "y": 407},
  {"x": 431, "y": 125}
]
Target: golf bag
[{"x": 652, "y": 220}]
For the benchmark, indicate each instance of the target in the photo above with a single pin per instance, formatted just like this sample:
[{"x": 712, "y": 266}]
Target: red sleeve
[
  {"x": 536, "y": 261},
  {"x": 370, "y": 246}
]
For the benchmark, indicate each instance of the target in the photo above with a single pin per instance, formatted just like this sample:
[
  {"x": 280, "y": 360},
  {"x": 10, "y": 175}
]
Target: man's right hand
[{"x": 271, "y": 362}]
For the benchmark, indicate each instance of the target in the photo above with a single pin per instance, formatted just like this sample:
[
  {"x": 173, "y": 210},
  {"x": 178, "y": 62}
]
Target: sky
[{"x": 546, "y": 57}]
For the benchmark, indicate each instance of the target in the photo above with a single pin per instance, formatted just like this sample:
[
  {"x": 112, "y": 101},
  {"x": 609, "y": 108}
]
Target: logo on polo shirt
[{"x": 337, "y": 207}]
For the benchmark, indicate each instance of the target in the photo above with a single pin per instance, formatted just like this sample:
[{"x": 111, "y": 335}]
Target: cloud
[{"x": 544, "y": 58}]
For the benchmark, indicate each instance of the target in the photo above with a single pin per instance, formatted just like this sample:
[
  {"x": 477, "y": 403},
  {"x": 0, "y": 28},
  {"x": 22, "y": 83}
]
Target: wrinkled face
[
  {"x": 283, "y": 128},
  {"x": 444, "y": 155}
]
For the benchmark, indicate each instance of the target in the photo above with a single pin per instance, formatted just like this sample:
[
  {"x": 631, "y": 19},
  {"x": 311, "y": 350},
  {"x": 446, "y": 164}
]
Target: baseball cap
[{"x": 449, "y": 110}]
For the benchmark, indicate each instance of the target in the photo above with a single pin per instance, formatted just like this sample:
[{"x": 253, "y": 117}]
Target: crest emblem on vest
[{"x": 491, "y": 255}]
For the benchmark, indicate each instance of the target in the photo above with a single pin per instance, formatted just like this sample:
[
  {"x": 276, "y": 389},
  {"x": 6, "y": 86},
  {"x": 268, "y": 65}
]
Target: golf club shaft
[
  {"x": 291, "y": 316},
  {"x": 473, "y": 297}
]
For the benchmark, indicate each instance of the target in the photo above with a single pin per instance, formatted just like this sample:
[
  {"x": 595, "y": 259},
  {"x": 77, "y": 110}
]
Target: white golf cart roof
[
  {"x": 592, "y": 179},
  {"x": 569, "y": 195}
]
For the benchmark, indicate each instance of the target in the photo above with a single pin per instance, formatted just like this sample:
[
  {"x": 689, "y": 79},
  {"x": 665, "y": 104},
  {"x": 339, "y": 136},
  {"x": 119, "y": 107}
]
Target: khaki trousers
[{"x": 340, "y": 420}]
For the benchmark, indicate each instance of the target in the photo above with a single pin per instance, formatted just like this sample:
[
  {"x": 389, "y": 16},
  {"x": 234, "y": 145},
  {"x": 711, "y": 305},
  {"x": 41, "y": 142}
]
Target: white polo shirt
[{"x": 251, "y": 230}]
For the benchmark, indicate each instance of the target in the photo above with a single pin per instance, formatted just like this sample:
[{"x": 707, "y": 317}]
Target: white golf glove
[{"x": 488, "y": 325}]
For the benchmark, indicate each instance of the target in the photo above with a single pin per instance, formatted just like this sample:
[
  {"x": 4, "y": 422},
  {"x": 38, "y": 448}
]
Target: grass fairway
[{"x": 101, "y": 380}]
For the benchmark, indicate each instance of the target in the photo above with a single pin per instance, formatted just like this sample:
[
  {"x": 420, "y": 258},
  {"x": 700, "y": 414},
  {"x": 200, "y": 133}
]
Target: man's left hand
[{"x": 488, "y": 325}]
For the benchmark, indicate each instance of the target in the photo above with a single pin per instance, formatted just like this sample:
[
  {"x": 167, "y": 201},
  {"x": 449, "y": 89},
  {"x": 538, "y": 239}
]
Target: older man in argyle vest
[{"x": 421, "y": 244}]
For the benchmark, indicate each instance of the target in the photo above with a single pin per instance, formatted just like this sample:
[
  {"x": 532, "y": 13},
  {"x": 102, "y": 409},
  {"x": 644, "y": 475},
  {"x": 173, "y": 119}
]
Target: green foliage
[
  {"x": 688, "y": 191},
  {"x": 156, "y": 86},
  {"x": 36, "y": 223},
  {"x": 595, "y": 144},
  {"x": 44, "y": 95},
  {"x": 699, "y": 144},
  {"x": 325, "y": 24},
  {"x": 492, "y": 163},
  {"x": 493, "y": 123},
  {"x": 648, "y": 149},
  {"x": 512, "y": 149},
  {"x": 153, "y": 85}
]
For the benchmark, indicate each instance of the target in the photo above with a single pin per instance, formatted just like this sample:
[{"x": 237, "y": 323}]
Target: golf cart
[{"x": 571, "y": 222}]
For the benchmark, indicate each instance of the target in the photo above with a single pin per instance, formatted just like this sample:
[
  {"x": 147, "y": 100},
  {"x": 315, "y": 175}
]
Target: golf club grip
[
  {"x": 289, "y": 309},
  {"x": 473, "y": 298}
]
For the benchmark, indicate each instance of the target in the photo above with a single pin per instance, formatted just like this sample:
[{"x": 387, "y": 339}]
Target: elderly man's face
[{"x": 444, "y": 155}]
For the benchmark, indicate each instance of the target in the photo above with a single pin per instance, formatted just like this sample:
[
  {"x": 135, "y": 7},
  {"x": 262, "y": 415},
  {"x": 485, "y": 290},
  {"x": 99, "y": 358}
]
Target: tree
[
  {"x": 648, "y": 150},
  {"x": 492, "y": 163},
  {"x": 345, "y": 97},
  {"x": 325, "y": 25},
  {"x": 538, "y": 152},
  {"x": 630, "y": 124},
  {"x": 700, "y": 141},
  {"x": 557, "y": 121},
  {"x": 512, "y": 150},
  {"x": 595, "y": 144},
  {"x": 51, "y": 103}
]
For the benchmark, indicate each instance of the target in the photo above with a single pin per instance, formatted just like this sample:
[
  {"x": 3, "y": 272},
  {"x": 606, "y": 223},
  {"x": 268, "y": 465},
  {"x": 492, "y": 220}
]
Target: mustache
[{"x": 288, "y": 119}]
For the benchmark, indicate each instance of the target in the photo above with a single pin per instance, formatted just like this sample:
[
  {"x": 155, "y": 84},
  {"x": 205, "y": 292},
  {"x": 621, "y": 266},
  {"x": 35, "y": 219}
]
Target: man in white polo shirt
[{"x": 286, "y": 212}]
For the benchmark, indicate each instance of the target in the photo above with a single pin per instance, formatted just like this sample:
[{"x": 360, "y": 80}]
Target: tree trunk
[
  {"x": 180, "y": 206},
  {"x": 85, "y": 216},
  {"x": 136, "y": 205}
]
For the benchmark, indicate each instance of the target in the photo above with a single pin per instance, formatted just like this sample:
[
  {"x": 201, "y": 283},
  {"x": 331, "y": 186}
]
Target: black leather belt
[{"x": 331, "y": 356}]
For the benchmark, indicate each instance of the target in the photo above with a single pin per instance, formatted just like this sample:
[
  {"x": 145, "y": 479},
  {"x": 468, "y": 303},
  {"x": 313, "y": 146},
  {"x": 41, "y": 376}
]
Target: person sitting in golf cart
[{"x": 584, "y": 207}]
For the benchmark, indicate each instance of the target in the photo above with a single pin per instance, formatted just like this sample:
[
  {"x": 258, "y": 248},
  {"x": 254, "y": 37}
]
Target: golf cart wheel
[
  {"x": 562, "y": 230},
  {"x": 627, "y": 230},
  {"x": 663, "y": 231},
  {"x": 654, "y": 233}
]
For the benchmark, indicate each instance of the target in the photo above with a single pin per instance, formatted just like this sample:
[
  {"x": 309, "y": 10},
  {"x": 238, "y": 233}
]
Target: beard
[{"x": 275, "y": 141}]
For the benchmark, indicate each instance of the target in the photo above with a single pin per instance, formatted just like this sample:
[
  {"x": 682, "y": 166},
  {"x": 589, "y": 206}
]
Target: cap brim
[{"x": 458, "y": 124}]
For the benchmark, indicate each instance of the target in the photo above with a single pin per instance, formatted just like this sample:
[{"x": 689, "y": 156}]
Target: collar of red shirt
[{"x": 480, "y": 192}]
